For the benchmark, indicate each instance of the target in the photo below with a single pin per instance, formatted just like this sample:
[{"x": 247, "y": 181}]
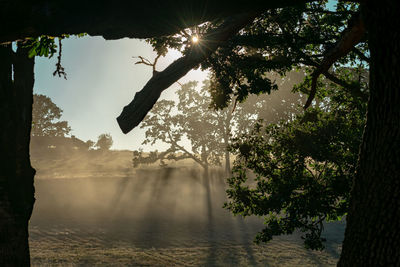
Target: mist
[
  {"x": 98, "y": 205},
  {"x": 93, "y": 207}
]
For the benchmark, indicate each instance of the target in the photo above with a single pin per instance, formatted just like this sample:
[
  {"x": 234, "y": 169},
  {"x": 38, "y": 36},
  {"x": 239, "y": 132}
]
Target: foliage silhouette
[
  {"x": 44, "y": 118},
  {"x": 104, "y": 142}
]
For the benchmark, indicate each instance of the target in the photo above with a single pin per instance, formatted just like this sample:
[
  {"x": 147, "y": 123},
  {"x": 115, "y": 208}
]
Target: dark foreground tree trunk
[
  {"x": 16, "y": 175},
  {"x": 372, "y": 235}
]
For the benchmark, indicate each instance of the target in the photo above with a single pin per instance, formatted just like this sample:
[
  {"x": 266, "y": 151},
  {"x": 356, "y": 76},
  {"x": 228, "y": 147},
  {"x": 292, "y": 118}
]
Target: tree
[
  {"x": 90, "y": 144},
  {"x": 16, "y": 177},
  {"x": 44, "y": 118},
  {"x": 369, "y": 240},
  {"x": 302, "y": 168},
  {"x": 104, "y": 142},
  {"x": 208, "y": 130},
  {"x": 371, "y": 236},
  {"x": 190, "y": 119}
]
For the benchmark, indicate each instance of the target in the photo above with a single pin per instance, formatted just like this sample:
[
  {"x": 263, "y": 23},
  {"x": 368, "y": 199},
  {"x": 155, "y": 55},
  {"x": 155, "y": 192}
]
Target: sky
[{"x": 101, "y": 79}]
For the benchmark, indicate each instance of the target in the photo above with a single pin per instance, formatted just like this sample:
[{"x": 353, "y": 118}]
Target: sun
[{"x": 195, "y": 39}]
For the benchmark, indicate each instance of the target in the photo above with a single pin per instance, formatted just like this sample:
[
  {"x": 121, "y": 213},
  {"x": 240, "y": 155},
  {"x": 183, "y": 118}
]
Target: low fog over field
[
  {"x": 154, "y": 208},
  {"x": 101, "y": 206},
  {"x": 149, "y": 216}
]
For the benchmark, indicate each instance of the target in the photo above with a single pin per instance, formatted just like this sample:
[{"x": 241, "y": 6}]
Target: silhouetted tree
[
  {"x": 45, "y": 116},
  {"x": 190, "y": 119},
  {"x": 104, "y": 142},
  {"x": 90, "y": 144}
]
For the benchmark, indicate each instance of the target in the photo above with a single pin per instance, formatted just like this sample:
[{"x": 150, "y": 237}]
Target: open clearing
[{"x": 169, "y": 217}]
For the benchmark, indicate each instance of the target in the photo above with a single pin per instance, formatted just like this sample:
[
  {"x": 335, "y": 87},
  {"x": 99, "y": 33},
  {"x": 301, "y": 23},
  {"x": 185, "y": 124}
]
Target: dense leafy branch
[
  {"x": 45, "y": 118},
  {"x": 302, "y": 169},
  {"x": 350, "y": 37}
]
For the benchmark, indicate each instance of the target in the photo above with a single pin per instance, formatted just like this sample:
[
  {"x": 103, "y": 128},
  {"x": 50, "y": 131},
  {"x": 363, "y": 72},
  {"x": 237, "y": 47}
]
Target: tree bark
[
  {"x": 117, "y": 19},
  {"x": 227, "y": 154},
  {"x": 372, "y": 236},
  {"x": 227, "y": 163},
  {"x": 16, "y": 176}
]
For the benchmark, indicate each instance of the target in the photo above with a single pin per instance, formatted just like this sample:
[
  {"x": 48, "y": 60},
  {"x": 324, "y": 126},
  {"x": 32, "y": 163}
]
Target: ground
[{"x": 153, "y": 217}]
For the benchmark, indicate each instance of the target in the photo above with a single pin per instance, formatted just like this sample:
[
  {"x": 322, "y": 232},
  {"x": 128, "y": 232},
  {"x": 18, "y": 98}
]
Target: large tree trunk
[
  {"x": 227, "y": 131},
  {"x": 372, "y": 235},
  {"x": 227, "y": 163},
  {"x": 227, "y": 154},
  {"x": 16, "y": 176}
]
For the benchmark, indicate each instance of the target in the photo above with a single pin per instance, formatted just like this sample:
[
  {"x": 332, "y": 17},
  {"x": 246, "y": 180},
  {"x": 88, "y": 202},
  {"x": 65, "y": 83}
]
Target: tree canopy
[
  {"x": 104, "y": 142},
  {"x": 188, "y": 120},
  {"x": 297, "y": 174},
  {"x": 45, "y": 118},
  {"x": 240, "y": 50},
  {"x": 208, "y": 130}
]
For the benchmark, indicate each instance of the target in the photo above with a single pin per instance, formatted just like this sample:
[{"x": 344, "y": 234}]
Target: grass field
[{"x": 150, "y": 217}]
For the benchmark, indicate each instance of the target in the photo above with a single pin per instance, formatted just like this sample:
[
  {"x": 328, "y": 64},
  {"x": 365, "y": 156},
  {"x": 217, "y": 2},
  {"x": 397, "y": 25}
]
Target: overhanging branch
[
  {"x": 350, "y": 37},
  {"x": 354, "y": 89},
  {"x": 134, "y": 112},
  {"x": 119, "y": 18}
]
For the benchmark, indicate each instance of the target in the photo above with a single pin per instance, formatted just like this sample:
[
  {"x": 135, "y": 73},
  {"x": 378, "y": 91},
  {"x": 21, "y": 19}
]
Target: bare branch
[
  {"x": 147, "y": 62},
  {"x": 143, "y": 60},
  {"x": 144, "y": 100},
  {"x": 60, "y": 71},
  {"x": 350, "y": 37}
]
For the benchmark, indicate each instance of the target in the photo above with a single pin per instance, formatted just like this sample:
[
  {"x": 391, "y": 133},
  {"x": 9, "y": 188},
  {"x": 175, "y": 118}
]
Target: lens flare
[{"x": 195, "y": 39}]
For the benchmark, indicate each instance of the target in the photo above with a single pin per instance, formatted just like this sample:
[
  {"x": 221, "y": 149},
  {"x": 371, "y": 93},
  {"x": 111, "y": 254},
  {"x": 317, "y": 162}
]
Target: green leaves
[
  {"x": 42, "y": 46},
  {"x": 45, "y": 116},
  {"x": 297, "y": 174},
  {"x": 45, "y": 46}
]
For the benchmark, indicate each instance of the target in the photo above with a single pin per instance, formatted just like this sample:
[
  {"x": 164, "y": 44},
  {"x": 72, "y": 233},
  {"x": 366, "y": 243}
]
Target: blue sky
[{"x": 101, "y": 79}]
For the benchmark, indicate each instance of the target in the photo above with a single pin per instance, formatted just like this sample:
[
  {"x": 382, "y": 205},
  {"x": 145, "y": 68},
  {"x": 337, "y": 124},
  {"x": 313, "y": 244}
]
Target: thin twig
[{"x": 59, "y": 68}]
